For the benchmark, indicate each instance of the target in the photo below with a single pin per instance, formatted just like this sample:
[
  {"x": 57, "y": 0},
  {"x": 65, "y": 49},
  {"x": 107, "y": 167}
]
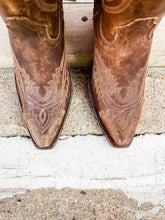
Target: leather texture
[
  {"x": 123, "y": 38},
  {"x": 36, "y": 31}
]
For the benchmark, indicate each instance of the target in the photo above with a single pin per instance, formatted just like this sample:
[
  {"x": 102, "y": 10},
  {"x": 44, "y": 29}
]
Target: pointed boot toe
[
  {"x": 44, "y": 106},
  {"x": 45, "y": 115},
  {"x": 45, "y": 125},
  {"x": 118, "y": 121},
  {"x": 119, "y": 126}
]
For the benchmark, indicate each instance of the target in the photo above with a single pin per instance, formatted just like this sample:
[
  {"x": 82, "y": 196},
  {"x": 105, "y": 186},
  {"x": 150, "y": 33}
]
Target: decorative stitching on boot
[
  {"x": 155, "y": 19},
  {"x": 15, "y": 22},
  {"x": 116, "y": 9},
  {"x": 46, "y": 7},
  {"x": 111, "y": 96},
  {"x": 41, "y": 109}
]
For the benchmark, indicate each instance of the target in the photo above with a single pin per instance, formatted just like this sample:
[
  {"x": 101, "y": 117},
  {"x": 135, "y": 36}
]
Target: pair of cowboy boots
[{"x": 122, "y": 42}]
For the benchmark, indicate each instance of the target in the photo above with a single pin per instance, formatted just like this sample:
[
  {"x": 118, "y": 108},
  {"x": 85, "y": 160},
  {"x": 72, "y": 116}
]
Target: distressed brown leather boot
[
  {"x": 36, "y": 31},
  {"x": 123, "y": 36}
]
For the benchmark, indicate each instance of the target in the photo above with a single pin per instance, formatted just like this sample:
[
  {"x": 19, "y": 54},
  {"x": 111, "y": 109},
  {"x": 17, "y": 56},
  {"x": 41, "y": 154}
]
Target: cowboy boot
[
  {"x": 36, "y": 32},
  {"x": 123, "y": 35}
]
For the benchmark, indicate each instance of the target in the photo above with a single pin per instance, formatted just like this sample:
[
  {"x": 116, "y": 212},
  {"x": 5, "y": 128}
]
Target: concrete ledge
[
  {"x": 85, "y": 162},
  {"x": 81, "y": 119}
]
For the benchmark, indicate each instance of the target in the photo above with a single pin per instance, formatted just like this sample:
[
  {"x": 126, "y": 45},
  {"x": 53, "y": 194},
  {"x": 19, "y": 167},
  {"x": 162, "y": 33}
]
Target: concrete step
[
  {"x": 81, "y": 119},
  {"x": 85, "y": 162}
]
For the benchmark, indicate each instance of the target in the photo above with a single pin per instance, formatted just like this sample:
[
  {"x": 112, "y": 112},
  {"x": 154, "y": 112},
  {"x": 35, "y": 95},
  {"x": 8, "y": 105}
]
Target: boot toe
[
  {"x": 44, "y": 129},
  {"x": 119, "y": 127}
]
